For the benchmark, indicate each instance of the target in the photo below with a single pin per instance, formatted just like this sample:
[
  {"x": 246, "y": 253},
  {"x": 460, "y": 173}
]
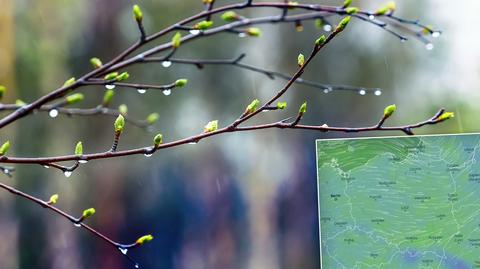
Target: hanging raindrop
[
  {"x": 137, "y": 266},
  {"x": 77, "y": 225},
  {"x": 83, "y": 161},
  {"x": 167, "y": 92},
  {"x": 141, "y": 91},
  {"x": 110, "y": 86},
  {"x": 166, "y": 64},
  {"x": 53, "y": 113},
  {"x": 148, "y": 154},
  {"x": 429, "y": 46},
  {"x": 436, "y": 34},
  {"x": 46, "y": 166},
  {"x": 6, "y": 171},
  {"x": 326, "y": 90},
  {"x": 123, "y": 250},
  {"x": 67, "y": 173},
  {"x": 362, "y": 92},
  {"x": 371, "y": 17},
  {"x": 194, "y": 32},
  {"x": 192, "y": 143},
  {"x": 378, "y": 92},
  {"x": 242, "y": 35},
  {"x": 327, "y": 28}
]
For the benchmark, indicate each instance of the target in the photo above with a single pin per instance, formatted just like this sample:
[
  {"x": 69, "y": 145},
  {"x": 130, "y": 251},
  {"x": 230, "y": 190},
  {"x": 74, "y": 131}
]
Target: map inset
[{"x": 402, "y": 202}]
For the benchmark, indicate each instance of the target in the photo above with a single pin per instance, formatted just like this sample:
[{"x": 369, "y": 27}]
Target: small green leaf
[
  {"x": 388, "y": 8},
  {"x": 4, "y": 148},
  {"x": 123, "y": 109},
  {"x": 19, "y": 102},
  {"x": 445, "y": 116},
  {"x": 347, "y": 3},
  {"x": 352, "y": 10},
  {"x": 79, "y": 149}
]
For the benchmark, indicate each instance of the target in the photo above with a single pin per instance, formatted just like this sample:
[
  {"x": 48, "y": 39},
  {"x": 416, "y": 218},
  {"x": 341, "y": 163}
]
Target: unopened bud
[
  {"x": 230, "y": 16},
  {"x": 282, "y": 105},
  {"x": 255, "y": 32},
  {"x": 88, "y": 213},
  {"x": 123, "y": 109},
  {"x": 107, "y": 97},
  {"x": 157, "y": 140},
  {"x": 320, "y": 40},
  {"x": 111, "y": 76},
  {"x": 343, "y": 23},
  {"x": 3, "y": 89},
  {"x": 96, "y": 63},
  {"x": 144, "y": 239},
  {"x": 181, "y": 82},
  {"x": 69, "y": 82},
  {"x": 445, "y": 116},
  {"x": 53, "y": 199},
  {"x": 389, "y": 110},
  {"x": 176, "y": 40},
  {"x": 74, "y": 98},
  {"x": 303, "y": 108},
  {"x": 252, "y": 106},
  {"x": 301, "y": 60},
  {"x": 4, "y": 148},
  {"x": 123, "y": 76},
  {"x": 152, "y": 118},
  {"x": 211, "y": 126},
  {"x": 79, "y": 149},
  {"x": 119, "y": 124},
  {"x": 137, "y": 13},
  {"x": 203, "y": 25}
]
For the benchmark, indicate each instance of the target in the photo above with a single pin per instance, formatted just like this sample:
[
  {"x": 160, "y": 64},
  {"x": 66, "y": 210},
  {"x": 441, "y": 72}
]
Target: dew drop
[
  {"x": 403, "y": 40},
  {"x": 327, "y": 28},
  {"x": 110, "y": 86},
  {"x": 141, "y": 91},
  {"x": 77, "y": 225},
  {"x": 148, "y": 154},
  {"x": 53, "y": 113},
  {"x": 166, "y": 64},
  {"x": 46, "y": 166},
  {"x": 6, "y": 171},
  {"x": 436, "y": 34},
  {"x": 194, "y": 32},
  {"x": 167, "y": 92},
  {"x": 83, "y": 161},
  {"x": 192, "y": 143},
  {"x": 137, "y": 266},
  {"x": 362, "y": 92},
  {"x": 326, "y": 90},
  {"x": 371, "y": 17},
  {"x": 242, "y": 35},
  {"x": 67, "y": 173},
  {"x": 123, "y": 250},
  {"x": 429, "y": 46},
  {"x": 378, "y": 92}
]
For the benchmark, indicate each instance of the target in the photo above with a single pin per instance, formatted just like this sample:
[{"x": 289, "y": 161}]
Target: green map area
[{"x": 402, "y": 202}]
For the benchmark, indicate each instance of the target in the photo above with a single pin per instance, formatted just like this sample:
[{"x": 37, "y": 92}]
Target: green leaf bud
[
  {"x": 3, "y": 89},
  {"x": 388, "y": 8},
  {"x": 320, "y": 40},
  {"x": 176, "y": 40},
  {"x": 252, "y": 106},
  {"x": 119, "y": 124},
  {"x": 230, "y": 16},
  {"x": 96, "y": 63},
  {"x": 88, "y": 213},
  {"x": 181, "y": 82},
  {"x": 255, "y": 32},
  {"x": 79, "y": 149},
  {"x": 347, "y": 3},
  {"x": 69, "y": 82},
  {"x": 74, "y": 98},
  {"x": 343, "y": 23},
  {"x": 152, "y": 118},
  {"x": 144, "y": 239},
  {"x": 389, "y": 110},
  {"x": 137, "y": 13},
  {"x": 123, "y": 76},
  {"x": 157, "y": 140},
  {"x": 123, "y": 109},
  {"x": 53, "y": 199},
  {"x": 282, "y": 105},
  {"x": 352, "y": 10},
  {"x": 445, "y": 116},
  {"x": 203, "y": 25},
  {"x": 4, "y": 148},
  {"x": 212, "y": 126},
  {"x": 303, "y": 108},
  {"x": 19, "y": 102},
  {"x": 108, "y": 96},
  {"x": 301, "y": 60},
  {"x": 111, "y": 76}
]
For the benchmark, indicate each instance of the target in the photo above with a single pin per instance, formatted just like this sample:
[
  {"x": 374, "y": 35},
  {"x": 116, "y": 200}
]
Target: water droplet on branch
[
  {"x": 362, "y": 92},
  {"x": 78, "y": 225},
  {"x": 53, "y": 113},
  {"x": 429, "y": 46},
  {"x": 148, "y": 154},
  {"x": 83, "y": 161},
  {"x": 371, "y": 17},
  {"x": 194, "y": 32},
  {"x": 46, "y": 166},
  {"x": 67, "y": 173},
  {"x": 378, "y": 92},
  {"x": 166, "y": 64},
  {"x": 327, "y": 28},
  {"x": 123, "y": 250},
  {"x": 167, "y": 92},
  {"x": 435, "y": 34},
  {"x": 242, "y": 35},
  {"x": 141, "y": 91},
  {"x": 110, "y": 86}
]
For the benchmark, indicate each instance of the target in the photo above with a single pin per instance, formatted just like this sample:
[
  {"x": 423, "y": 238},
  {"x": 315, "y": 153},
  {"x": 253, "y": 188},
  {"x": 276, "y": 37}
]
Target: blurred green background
[{"x": 243, "y": 200}]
